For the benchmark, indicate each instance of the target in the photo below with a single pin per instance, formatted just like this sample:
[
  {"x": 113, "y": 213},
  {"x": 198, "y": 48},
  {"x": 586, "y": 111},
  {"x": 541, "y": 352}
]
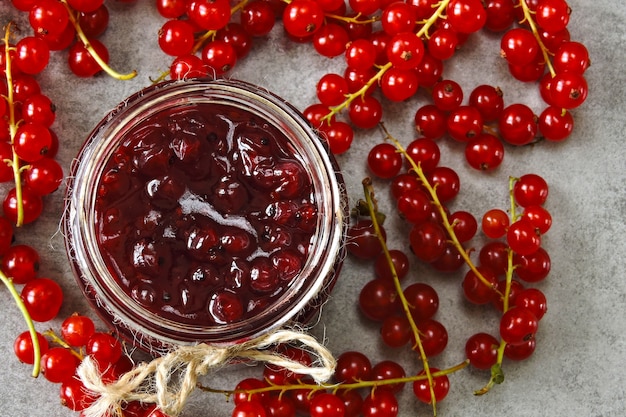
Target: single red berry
[
  {"x": 42, "y": 298},
  {"x": 422, "y": 389}
]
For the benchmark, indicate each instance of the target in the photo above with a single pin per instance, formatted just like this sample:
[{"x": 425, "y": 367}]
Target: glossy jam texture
[{"x": 205, "y": 214}]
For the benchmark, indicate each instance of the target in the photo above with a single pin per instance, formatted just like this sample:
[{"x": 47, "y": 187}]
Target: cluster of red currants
[
  {"x": 204, "y": 36},
  {"x": 27, "y": 144},
  {"x": 284, "y": 394},
  {"x": 62, "y": 354},
  {"x": 67, "y": 24}
]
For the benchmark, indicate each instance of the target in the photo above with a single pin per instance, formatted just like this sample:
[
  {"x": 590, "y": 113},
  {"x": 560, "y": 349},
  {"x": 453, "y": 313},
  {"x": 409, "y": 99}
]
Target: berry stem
[
  {"x": 528, "y": 18},
  {"x": 83, "y": 38},
  {"x": 383, "y": 69},
  {"x": 497, "y": 375},
  {"x": 13, "y": 124},
  {"x": 59, "y": 341},
  {"x": 444, "y": 217},
  {"x": 369, "y": 198},
  {"x": 336, "y": 387},
  {"x": 29, "y": 322},
  {"x": 352, "y": 19},
  {"x": 210, "y": 34}
]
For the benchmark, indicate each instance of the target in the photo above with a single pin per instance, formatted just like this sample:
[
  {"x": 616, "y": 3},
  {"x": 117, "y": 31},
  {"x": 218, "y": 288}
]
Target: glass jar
[{"x": 204, "y": 211}]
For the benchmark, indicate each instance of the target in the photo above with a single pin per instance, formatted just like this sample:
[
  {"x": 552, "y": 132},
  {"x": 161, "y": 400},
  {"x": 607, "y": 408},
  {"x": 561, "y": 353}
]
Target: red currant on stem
[{"x": 93, "y": 53}]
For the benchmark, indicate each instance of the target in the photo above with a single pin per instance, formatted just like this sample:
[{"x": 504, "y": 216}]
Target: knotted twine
[{"x": 168, "y": 380}]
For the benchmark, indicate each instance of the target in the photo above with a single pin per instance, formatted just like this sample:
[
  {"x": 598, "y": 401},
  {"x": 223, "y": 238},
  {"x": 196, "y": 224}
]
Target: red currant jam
[
  {"x": 205, "y": 214},
  {"x": 204, "y": 211}
]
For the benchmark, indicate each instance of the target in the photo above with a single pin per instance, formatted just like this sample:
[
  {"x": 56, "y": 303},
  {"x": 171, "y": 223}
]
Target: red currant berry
[
  {"x": 42, "y": 298},
  {"x": 530, "y": 190},
  {"x": 302, "y": 18},
  {"x": 518, "y": 124},
  {"x": 488, "y": 101},
  {"x": 478, "y": 291},
  {"x": 395, "y": 331},
  {"x": 378, "y": 299},
  {"x": 82, "y": 63},
  {"x": 366, "y": 112},
  {"x": 31, "y": 55},
  {"x": 518, "y": 325},
  {"x": 482, "y": 350},
  {"x": 422, "y": 299},
  {"x": 21, "y": 263},
  {"x": 484, "y": 152},
  {"x": 249, "y": 409},
  {"x": 209, "y": 14},
  {"x": 522, "y": 237},
  {"x": 332, "y": 89},
  {"x": 24, "y": 350},
  {"x": 258, "y": 18},
  {"x": 495, "y": 223},
  {"x": 176, "y": 37},
  {"x": 77, "y": 330},
  {"x": 388, "y": 369},
  {"x": 519, "y": 46},
  {"x": 32, "y": 206},
  {"x": 552, "y": 15},
  {"x": 104, "y": 349},
  {"x": 430, "y": 121},
  {"x": 380, "y": 402},
  {"x": 571, "y": 57},
  {"x": 556, "y": 124},
  {"x": 446, "y": 183},
  {"x": 534, "y": 267},
  {"x": 405, "y": 50},
  {"x": 466, "y": 16},
  {"x": 422, "y": 389},
  {"x": 59, "y": 364},
  {"x": 327, "y": 405},
  {"x": 384, "y": 160},
  {"x": 428, "y": 241},
  {"x": 352, "y": 366},
  {"x": 534, "y": 300}
]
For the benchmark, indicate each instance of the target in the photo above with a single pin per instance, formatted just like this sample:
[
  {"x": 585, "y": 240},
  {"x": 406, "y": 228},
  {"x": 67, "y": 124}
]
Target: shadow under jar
[{"x": 204, "y": 211}]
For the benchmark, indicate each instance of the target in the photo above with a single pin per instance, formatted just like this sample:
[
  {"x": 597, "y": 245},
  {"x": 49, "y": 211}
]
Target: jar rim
[{"x": 90, "y": 270}]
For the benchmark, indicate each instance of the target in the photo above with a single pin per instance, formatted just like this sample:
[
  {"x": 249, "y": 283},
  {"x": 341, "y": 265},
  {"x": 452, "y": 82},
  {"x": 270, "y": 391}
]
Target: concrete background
[{"x": 578, "y": 367}]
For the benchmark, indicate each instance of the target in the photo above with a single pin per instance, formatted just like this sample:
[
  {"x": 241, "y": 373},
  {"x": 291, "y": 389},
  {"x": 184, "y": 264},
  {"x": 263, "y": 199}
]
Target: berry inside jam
[{"x": 205, "y": 214}]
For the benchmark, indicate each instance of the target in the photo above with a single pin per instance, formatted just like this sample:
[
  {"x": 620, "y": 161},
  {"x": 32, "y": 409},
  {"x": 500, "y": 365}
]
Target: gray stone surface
[{"x": 578, "y": 367}]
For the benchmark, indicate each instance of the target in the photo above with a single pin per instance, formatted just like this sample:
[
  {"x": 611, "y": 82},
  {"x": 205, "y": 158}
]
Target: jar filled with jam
[{"x": 204, "y": 211}]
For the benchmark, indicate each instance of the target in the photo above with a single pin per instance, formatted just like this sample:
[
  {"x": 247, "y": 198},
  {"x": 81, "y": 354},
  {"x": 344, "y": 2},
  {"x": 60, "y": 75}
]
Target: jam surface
[{"x": 205, "y": 214}]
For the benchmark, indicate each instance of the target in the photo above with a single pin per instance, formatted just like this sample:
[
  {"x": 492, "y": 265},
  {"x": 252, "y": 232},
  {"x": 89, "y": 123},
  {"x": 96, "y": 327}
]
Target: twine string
[{"x": 169, "y": 380}]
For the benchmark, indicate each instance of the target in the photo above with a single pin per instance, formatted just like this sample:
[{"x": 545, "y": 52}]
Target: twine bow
[{"x": 169, "y": 380}]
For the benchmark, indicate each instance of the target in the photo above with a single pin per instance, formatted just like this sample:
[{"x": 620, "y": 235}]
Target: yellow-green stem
[
  {"x": 29, "y": 323},
  {"x": 85, "y": 41},
  {"x": 442, "y": 212},
  {"x": 337, "y": 387},
  {"x": 210, "y": 34},
  {"x": 496, "y": 374},
  {"x": 367, "y": 190},
  {"x": 528, "y": 18},
  {"x": 383, "y": 69},
  {"x": 15, "y": 162},
  {"x": 59, "y": 341}
]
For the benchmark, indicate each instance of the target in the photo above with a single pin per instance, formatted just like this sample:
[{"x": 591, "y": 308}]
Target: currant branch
[
  {"x": 444, "y": 217},
  {"x": 423, "y": 31},
  {"x": 368, "y": 191},
  {"x": 528, "y": 18},
  {"x": 14, "y": 163},
  {"x": 8, "y": 283},
  {"x": 85, "y": 41},
  {"x": 333, "y": 387},
  {"x": 209, "y": 35}
]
